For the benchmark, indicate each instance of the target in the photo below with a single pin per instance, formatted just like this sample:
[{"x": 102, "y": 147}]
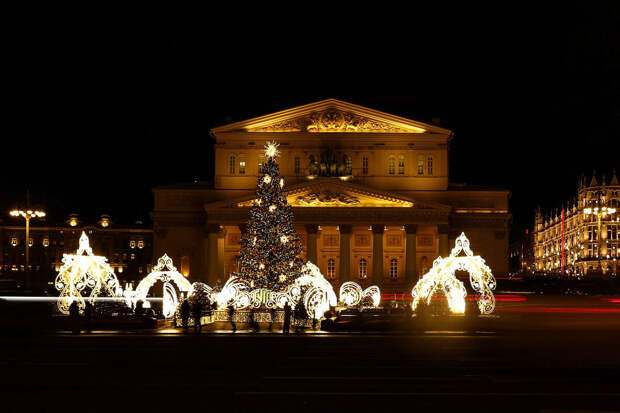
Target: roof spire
[
  {"x": 593, "y": 182},
  {"x": 614, "y": 179}
]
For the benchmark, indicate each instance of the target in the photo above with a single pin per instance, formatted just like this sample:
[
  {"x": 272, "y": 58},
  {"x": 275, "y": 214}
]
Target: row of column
[{"x": 345, "y": 250}]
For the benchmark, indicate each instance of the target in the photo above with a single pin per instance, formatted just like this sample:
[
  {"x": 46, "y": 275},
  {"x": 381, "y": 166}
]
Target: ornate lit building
[
  {"x": 128, "y": 248},
  {"x": 584, "y": 237},
  {"x": 370, "y": 193}
]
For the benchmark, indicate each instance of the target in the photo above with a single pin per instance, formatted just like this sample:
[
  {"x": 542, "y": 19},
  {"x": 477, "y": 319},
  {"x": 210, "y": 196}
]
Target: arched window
[
  {"x": 232, "y": 161},
  {"x": 185, "y": 265},
  {"x": 348, "y": 164},
  {"x": 241, "y": 166},
  {"x": 393, "y": 268},
  {"x": 421, "y": 165},
  {"x": 401, "y": 165},
  {"x": 365, "y": 165},
  {"x": 261, "y": 162},
  {"x": 391, "y": 165},
  {"x": 429, "y": 165},
  {"x": 331, "y": 268},
  {"x": 363, "y": 269}
]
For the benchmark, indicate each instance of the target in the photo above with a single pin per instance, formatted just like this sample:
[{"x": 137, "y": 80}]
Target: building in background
[
  {"x": 370, "y": 191},
  {"x": 521, "y": 260},
  {"x": 128, "y": 248},
  {"x": 583, "y": 238}
]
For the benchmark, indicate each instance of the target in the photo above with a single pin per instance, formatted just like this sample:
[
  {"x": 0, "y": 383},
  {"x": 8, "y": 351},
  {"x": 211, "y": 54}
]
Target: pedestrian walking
[
  {"x": 231, "y": 315},
  {"x": 185, "y": 314},
  {"x": 287, "y": 318},
  {"x": 197, "y": 315},
  {"x": 74, "y": 314},
  {"x": 88, "y": 315}
]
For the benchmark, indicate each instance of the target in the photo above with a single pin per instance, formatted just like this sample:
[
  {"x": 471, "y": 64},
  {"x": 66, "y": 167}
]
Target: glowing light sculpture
[
  {"x": 166, "y": 272},
  {"x": 312, "y": 287},
  {"x": 81, "y": 272},
  {"x": 351, "y": 294},
  {"x": 441, "y": 278}
]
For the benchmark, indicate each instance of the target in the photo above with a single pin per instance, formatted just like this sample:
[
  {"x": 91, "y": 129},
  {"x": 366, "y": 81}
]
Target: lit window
[
  {"x": 242, "y": 167},
  {"x": 363, "y": 270},
  {"x": 421, "y": 165},
  {"x": 185, "y": 265},
  {"x": 348, "y": 163},
  {"x": 365, "y": 165},
  {"x": 140, "y": 270},
  {"x": 231, "y": 164},
  {"x": 132, "y": 244},
  {"x": 140, "y": 244},
  {"x": 393, "y": 268},
  {"x": 391, "y": 165},
  {"x": 331, "y": 268},
  {"x": 261, "y": 162},
  {"x": 297, "y": 165},
  {"x": 401, "y": 165},
  {"x": 14, "y": 241},
  {"x": 429, "y": 165},
  {"x": 133, "y": 256}
]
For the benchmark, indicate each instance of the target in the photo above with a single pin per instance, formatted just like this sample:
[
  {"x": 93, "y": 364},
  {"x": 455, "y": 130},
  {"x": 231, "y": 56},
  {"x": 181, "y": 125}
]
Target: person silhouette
[
  {"x": 185, "y": 314},
  {"x": 287, "y": 318},
  {"x": 74, "y": 313},
  {"x": 197, "y": 315},
  {"x": 231, "y": 315},
  {"x": 88, "y": 314}
]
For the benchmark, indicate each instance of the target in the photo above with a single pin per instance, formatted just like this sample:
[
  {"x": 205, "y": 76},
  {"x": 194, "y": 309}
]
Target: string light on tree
[{"x": 270, "y": 249}]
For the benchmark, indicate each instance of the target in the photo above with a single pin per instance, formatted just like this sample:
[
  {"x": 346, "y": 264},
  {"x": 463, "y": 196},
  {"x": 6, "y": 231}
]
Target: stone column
[
  {"x": 311, "y": 247},
  {"x": 220, "y": 256},
  {"x": 444, "y": 246},
  {"x": 345, "y": 252},
  {"x": 212, "y": 237},
  {"x": 377, "y": 254},
  {"x": 411, "y": 273}
]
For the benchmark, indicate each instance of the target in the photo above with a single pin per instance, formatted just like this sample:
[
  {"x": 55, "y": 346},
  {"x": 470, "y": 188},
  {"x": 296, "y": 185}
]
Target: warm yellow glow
[
  {"x": 166, "y": 272},
  {"x": 272, "y": 208},
  {"x": 281, "y": 182},
  {"x": 283, "y": 239},
  {"x": 267, "y": 179},
  {"x": 271, "y": 149},
  {"x": 441, "y": 278},
  {"x": 28, "y": 214},
  {"x": 587, "y": 211},
  {"x": 82, "y": 270},
  {"x": 351, "y": 294}
]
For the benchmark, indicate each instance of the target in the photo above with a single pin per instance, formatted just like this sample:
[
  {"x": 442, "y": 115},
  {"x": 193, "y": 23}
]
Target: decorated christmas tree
[{"x": 270, "y": 247}]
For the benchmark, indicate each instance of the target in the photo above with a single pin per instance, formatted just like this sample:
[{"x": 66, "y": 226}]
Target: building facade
[
  {"x": 128, "y": 248},
  {"x": 370, "y": 193},
  {"x": 584, "y": 237}
]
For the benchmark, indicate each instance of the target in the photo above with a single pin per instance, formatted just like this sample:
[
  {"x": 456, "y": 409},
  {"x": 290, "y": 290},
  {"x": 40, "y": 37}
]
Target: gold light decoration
[
  {"x": 267, "y": 179},
  {"x": 283, "y": 239},
  {"x": 441, "y": 278},
  {"x": 81, "y": 271},
  {"x": 272, "y": 208},
  {"x": 271, "y": 149}
]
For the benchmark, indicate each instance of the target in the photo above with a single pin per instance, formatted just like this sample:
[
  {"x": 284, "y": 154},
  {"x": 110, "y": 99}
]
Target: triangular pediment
[
  {"x": 335, "y": 193},
  {"x": 330, "y": 115}
]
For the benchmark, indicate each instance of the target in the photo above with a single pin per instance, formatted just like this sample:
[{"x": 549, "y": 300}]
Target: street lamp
[
  {"x": 28, "y": 214},
  {"x": 600, "y": 212}
]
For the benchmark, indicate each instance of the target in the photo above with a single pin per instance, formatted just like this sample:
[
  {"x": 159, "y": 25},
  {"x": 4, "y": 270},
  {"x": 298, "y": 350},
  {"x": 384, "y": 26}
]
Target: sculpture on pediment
[
  {"x": 326, "y": 197},
  {"x": 331, "y": 120},
  {"x": 328, "y": 165}
]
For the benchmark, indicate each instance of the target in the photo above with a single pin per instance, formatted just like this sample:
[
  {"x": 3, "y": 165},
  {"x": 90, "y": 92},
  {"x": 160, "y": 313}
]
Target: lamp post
[
  {"x": 601, "y": 212},
  {"x": 28, "y": 214}
]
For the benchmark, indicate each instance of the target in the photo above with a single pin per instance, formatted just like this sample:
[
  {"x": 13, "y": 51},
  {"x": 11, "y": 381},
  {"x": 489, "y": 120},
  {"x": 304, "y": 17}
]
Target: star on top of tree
[{"x": 271, "y": 149}]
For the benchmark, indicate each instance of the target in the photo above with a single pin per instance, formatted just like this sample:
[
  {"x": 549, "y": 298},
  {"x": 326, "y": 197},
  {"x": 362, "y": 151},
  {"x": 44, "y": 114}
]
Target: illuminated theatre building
[
  {"x": 370, "y": 193},
  {"x": 584, "y": 237}
]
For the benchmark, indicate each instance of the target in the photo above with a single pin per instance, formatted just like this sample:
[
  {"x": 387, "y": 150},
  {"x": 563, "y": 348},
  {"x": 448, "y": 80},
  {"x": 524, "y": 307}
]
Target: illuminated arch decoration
[
  {"x": 81, "y": 272},
  {"x": 351, "y": 294},
  {"x": 312, "y": 287},
  {"x": 166, "y": 272},
  {"x": 441, "y": 278}
]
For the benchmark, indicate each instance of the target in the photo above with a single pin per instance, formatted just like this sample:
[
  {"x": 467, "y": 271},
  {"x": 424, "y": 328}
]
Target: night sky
[{"x": 97, "y": 116}]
